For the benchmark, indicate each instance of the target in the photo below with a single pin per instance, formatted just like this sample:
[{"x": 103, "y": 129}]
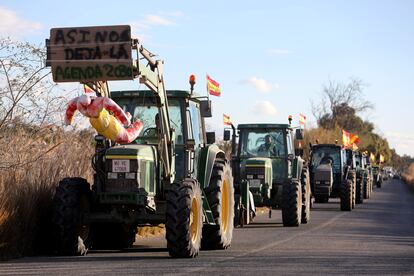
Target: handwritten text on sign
[{"x": 91, "y": 53}]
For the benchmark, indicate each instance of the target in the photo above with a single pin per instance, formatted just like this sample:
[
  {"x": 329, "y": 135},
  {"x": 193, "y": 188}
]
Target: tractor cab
[
  {"x": 332, "y": 174},
  {"x": 266, "y": 170},
  {"x": 265, "y": 153}
]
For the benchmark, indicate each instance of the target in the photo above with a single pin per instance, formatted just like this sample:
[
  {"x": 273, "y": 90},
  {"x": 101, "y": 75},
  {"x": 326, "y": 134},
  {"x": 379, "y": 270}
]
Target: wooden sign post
[{"x": 88, "y": 54}]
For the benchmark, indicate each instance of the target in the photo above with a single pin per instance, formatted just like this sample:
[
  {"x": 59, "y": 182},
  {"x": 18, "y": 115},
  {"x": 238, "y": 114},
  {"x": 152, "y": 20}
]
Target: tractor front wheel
[
  {"x": 184, "y": 219},
  {"x": 346, "y": 195},
  {"x": 306, "y": 197},
  {"x": 359, "y": 194},
  {"x": 292, "y": 204},
  {"x": 71, "y": 216},
  {"x": 220, "y": 195}
]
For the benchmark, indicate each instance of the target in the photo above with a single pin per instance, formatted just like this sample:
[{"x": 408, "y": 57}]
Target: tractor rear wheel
[
  {"x": 220, "y": 195},
  {"x": 292, "y": 204},
  {"x": 306, "y": 196},
  {"x": 184, "y": 219},
  {"x": 346, "y": 195},
  {"x": 366, "y": 189},
  {"x": 359, "y": 192},
  {"x": 71, "y": 216}
]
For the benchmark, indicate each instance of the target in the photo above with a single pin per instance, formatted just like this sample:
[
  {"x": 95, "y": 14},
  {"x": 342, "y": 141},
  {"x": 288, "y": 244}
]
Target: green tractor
[
  {"x": 364, "y": 178},
  {"x": 269, "y": 171},
  {"x": 171, "y": 174},
  {"x": 369, "y": 177},
  {"x": 333, "y": 175}
]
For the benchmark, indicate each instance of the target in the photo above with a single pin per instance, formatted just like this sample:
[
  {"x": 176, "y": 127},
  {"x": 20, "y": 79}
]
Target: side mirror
[
  {"x": 205, "y": 108},
  {"x": 299, "y": 134},
  {"x": 226, "y": 135},
  {"x": 211, "y": 137}
]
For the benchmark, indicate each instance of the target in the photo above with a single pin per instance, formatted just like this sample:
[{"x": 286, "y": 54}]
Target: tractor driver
[
  {"x": 327, "y": 159},
  {"x": 268, "y": 148}
]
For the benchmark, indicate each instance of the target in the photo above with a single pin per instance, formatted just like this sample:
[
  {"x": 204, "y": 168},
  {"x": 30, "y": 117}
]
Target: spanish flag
[
  {"x": 372, "y": 157},
  {"x": 302, "y": 119},
  {"x": 354, "y": 139},
  {"x": 346, "y": 137},
  {"x": 213, "y": 87},
  {"x": 226, "y": 120}
]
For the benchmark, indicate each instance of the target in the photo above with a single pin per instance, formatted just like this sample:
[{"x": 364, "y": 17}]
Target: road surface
[{"x": 377, "y": 238}]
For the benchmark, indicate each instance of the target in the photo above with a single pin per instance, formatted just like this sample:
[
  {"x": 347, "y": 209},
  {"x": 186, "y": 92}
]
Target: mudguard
[{"x": 206, "y": 162}]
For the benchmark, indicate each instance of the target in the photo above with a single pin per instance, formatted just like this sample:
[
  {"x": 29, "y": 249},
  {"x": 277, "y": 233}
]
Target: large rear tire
[
  {"x": 71, "y": 216},
  {"x": 359, "y": 192},
  {"x": 292, "y": 204},
  {"x": 366, "y": 189},
  {"x": 346, "y": 195},
  {"x": 306, "y": 197},
  {"x": 184, "y": 219},
  {"x": 220, "y": 196}
]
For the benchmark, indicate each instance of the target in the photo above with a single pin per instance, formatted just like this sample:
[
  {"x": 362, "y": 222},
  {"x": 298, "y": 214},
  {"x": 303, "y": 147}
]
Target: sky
[{"x": 271, "y": 58}]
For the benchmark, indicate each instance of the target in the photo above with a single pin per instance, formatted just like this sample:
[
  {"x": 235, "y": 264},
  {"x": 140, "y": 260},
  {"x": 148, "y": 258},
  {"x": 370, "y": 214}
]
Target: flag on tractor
[
  {"x": 372, "y": 157},
  {"x": 354, "y": 139},
  {"x": 346, "y": 136},
  {"x": 302, "y": 119},
  {"x": 226, "y": 120},
  {"x": 88, "y": 89},
  {"x": 213, "y": 87},
  {"x": 382, "y": 158}
]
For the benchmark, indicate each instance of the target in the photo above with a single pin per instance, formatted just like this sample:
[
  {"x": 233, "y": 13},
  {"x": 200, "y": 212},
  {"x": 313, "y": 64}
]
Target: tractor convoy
[{"x": 154, "y": 163}]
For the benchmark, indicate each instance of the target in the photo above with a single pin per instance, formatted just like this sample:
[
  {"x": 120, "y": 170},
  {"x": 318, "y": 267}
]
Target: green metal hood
[{"x": 131, "y": 152}]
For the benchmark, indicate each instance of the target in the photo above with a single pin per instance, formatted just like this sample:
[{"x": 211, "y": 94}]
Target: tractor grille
[
  {"x": 122, "y": 183},
  {"x": 255, "y": 171}
]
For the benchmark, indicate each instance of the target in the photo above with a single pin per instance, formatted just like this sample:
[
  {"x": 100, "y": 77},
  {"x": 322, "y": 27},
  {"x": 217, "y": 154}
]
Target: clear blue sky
[{"x": 270, "y": 57}]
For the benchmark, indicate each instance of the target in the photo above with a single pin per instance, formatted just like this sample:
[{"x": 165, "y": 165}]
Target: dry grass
[
  {"x": 408, "y": 176},
  {"x": 150, "y": 231},
  {"x": 32, "y": 161}
]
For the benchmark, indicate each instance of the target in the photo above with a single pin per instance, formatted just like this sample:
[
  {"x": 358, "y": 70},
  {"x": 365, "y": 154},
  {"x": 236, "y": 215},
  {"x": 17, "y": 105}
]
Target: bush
[{"x": 33, "y": 160}]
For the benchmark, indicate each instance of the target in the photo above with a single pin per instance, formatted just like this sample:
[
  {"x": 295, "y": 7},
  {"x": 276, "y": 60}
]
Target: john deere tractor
[
  {"x": 332, "y": 174},
  {"x": 171, "y": 174},
  {"x": 269, "y": 171},
  {"x": 364, "y": 178}
]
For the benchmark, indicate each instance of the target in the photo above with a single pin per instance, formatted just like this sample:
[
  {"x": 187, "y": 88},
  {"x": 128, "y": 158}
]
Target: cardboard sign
[{"x": 88, "y": 54}]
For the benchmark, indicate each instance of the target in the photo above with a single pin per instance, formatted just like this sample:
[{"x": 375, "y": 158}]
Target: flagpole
[{"x": 208, "y": 94}]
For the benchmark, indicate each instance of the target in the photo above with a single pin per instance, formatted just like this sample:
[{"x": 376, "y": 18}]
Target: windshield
[
  {"x": 323, "y": 155},
  {"x": 146, "y": 111},
  {"x": 262, "y": 143}
]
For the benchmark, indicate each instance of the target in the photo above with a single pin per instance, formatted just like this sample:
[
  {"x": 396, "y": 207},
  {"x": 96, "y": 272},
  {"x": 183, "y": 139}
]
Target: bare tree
[
  {"x": 339, "y": 99},
  {"x": 27, "y": 93}
]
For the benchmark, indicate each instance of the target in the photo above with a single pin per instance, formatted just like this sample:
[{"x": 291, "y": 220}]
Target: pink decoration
[{"x": 92, "y": 107}]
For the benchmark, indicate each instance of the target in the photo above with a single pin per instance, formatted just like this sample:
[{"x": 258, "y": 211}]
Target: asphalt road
[{"x": 377, "y": 238}]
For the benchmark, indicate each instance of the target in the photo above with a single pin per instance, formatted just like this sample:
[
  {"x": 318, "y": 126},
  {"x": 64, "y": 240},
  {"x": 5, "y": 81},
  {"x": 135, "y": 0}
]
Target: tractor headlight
[
  {"x": 260, "y": 176},
  {"x": 130, "y": 175},
  {"x": 112, "y": 175},
  {"x": 249, "y": 176}
]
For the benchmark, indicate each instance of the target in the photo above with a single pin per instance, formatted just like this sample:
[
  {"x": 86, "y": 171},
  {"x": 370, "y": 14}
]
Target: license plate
[
  {"x": 120, "y": 165},
  {"x": 254, "y": 183}
]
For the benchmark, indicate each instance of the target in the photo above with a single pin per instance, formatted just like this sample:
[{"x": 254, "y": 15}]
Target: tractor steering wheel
[{"x": 151, "y": 131}]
